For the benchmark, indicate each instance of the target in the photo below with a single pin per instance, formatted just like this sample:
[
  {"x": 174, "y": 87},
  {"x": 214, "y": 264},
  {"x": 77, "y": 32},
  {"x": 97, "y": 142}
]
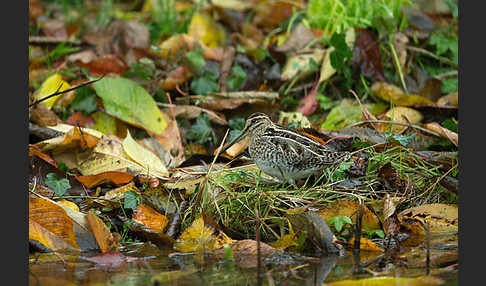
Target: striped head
[{"x": 253, "y": 123}]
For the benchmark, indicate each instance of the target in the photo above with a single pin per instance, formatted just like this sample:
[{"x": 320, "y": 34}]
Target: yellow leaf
[
  {"x": 389, "y": 92},
  {"x": 284, "y": 241},
  {"x": 51, "y": 85},
  {"x": 403, "y": 115},
  {"x": 199, "y": 237},
  {"x": 143, "y": 156},
  {"x": 366, "y": 244},
  {"x": 69, "y": 204},
  {"x": 349, "y": 208},
  {"x": 388, "y": 281},
  {"x": 204, "y": 28},
  {"x": 150, "y": 218}
]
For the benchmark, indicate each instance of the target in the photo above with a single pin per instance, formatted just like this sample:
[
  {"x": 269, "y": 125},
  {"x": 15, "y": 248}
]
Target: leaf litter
[{"x": 176, "y": 77}]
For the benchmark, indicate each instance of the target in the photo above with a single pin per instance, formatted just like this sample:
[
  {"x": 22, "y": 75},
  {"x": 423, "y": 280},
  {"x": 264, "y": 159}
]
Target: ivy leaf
[
  {"x": 236, "y": 78},
  {"x": 201, "y": 131},
  {"x": 131, "y": 200},
  {"x": 195, "y": 60},
  {"x": 339, "y": 221},
  {"x": 402, "y": 139},
  {"x": 206, "y": 84},
  {"x": 84, "y": 100},
  {"x": 341, "y": 50},
  {"x": 59, "y": 186}
]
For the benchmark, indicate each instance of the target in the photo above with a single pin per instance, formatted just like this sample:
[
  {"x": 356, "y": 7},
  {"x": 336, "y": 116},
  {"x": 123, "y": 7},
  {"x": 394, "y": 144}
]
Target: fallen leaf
[
  {"x": 366, "y": 55},
  {"x": 366, "y": 244},
  {"x": 126, "y": 100},
  {"x": 105, "y": 64},
  {"x": 57, "y": 227},
  {"x": 111, "y": 259},
  {"x": 299, "y": 65},
  {"x": 69, "y": 204},
  {"x": 349, "y": 208},
  {"x": 400, "y": 114},
  {"x": 245, "y": 252},
  {"x": 144, "y": 157},
  {"x": 103, "y": 236},
  {"x": 149, "y": 217},
  {"x": 384, "y": 281},
  {"x": 391, "y": 93},
  {"x": 204, "y": 28},
  {"x": 52, "y": 84},
  {"x": 199, "y": 237},
  {"x": 452, "y": 136},
  {"x": 451, "y": 99},
  {"x": 117, "y": 178},
  {"x": 442, "y": 218}
]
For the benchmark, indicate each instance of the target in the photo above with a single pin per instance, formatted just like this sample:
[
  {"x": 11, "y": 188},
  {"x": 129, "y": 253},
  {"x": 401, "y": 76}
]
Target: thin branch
[
  {"x": 396, "y": 123},
  {"x": 65, "y": 91}
]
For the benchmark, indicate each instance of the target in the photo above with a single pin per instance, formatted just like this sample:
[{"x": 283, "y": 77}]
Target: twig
[
  {"x": 396, "y": 123},
  {"x": 427, "y": 238},
  {"x": 65, "y": 91},
  {"x": 432, "y": 55}
]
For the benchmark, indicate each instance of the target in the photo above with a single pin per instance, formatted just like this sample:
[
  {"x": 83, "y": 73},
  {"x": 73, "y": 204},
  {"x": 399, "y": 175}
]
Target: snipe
[{"x": 284, "y": 153}]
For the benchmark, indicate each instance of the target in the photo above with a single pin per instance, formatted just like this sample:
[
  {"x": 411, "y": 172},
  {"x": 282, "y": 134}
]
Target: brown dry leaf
[
  {"x": 270, "y": 14},
  {"x": 391, "y": 177},
  {"x": 451, "y": 99},
  {"x": 245, "y": 252},
  {"x": 75, "y": 137},
  {"x": 367, "y": 115},
  {"x": 171, "y": 142},
  {"x": 78, "y": 118},
  {"x": 117, "y": 178},
  {"x": 400, "y": 114},
  {"x": 105, "y": 64},
  {"x": 309, "y": 103},
  {"x": 349, "y": 208},
  {"x": 201, "y": 237},
  {"x": 389, "y": 92},
  {"x": 103, "y": 236},
  {"x": 58, "y": 227},
  {"x": 442, "y": 218},
  {"x": 297, "y": 40},
  {"x": 391, "y": 223},
  {"x": 192, "y": 112},
  {"x": 367, "y": 56},
  {"x": 178, "y": 76},
  {"x": 452, "y": 136},
  {"x": 366, "y": 244},
  {"x": 43, "y": 116},
  {"x": 149, "y": 217},
  {"x": 232, "y": 100},
  {"x": 400, "y": 41},
  {"x": 33, "y": 151}
]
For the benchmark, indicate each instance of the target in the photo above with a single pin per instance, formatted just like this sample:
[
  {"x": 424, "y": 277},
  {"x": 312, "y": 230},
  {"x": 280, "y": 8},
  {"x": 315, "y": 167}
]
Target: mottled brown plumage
[{"x": 284, "y": 153}]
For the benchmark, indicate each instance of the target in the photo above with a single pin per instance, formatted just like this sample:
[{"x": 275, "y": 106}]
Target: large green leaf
[{"x": 126, "y": 100}]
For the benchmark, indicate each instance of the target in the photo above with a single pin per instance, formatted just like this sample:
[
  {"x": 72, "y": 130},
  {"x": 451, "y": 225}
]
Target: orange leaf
[
  {"x": 150, "y": 218},
  {"x": 50, "y": 225},
  {"x": 117, "y": 178},
  {"x": 101, "y": 232},
  {"x": 366, "y": 244},
  {"x": 43, "y": 156},
  {"x": 85, "y": 140}
]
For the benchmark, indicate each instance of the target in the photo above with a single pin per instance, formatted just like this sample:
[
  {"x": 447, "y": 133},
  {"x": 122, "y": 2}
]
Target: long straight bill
[{"x": 238, "y": 138}]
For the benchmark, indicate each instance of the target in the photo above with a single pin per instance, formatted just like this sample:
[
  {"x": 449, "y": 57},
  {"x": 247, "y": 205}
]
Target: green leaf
[
  {"x": 195, "y": 60},
  {"x": 206, "y": 84},
  {"x": 377, "y": 232},
  {"x": 59, "y": 186},
  {"x": 237, "y": 123},
  {"x": 341, "y": 51},
  {"x": 126, "y": 100},
  {"x": 131, "y": 200},
  {"x": 201, "y": 131},
  {"x": 404, "y": 140},
  {"x": 449, "y": 85},
  {"x": 236, "y": 78},
  {"x": 84, "y": 100},
  {"x": 450, "y": 124},
  {"x": 339, "y": 221}
]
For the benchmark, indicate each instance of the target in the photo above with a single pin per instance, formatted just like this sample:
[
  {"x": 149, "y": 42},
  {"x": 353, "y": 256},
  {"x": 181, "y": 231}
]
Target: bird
[{"x": 283, "y": 153}]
